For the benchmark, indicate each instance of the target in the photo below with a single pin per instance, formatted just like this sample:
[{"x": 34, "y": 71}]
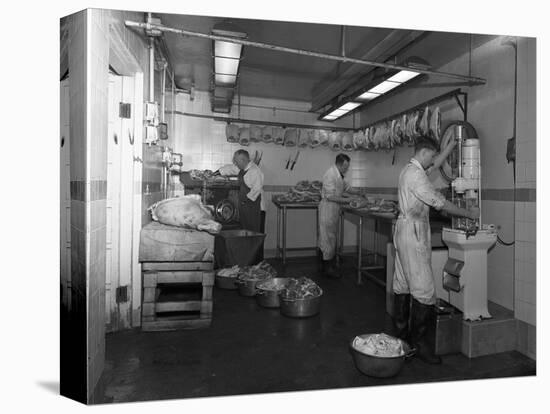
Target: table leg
[
  {"x": 340, "y": 239},
  {"x": 375, "y": 247},
  {"x": 278, "y": 253},
  {"x": 284, "y": 235},
  {"x": 359, "y": 252}
]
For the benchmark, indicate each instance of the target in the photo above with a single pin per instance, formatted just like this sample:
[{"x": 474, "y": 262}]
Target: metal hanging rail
[
  {"x": 255, "y": 122},
  {"x": 162, "y": 28},
  {"x": 420, "y": 107}
]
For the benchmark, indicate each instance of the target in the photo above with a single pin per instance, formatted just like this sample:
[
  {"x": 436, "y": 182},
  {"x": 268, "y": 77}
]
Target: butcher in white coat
[{"x": 335, "y": 191}]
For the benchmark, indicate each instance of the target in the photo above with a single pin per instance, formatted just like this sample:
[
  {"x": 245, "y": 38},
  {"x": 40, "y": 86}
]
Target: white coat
[
  {"x": 329, "y": 211},
  {"x": 412, "y": 239}
]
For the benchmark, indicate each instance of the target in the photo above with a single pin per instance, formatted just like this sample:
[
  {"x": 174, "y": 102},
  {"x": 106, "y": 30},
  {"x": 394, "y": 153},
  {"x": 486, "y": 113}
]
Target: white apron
[
  {"x": 329, "y": 212},
  {"x": 412, "y": 237}
]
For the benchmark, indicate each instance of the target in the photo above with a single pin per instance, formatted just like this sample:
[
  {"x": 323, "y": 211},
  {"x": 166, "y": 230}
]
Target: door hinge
[
  {"x": 122, "y": 294},
  {"x": 125, "y": 110}
]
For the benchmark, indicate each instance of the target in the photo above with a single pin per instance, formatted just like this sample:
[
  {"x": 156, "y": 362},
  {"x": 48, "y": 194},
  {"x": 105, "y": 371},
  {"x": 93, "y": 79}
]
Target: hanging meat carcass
[
  {"x": 255, "y": 133},
  {"x": 366, "y": 141},
  {"x": 291, "y": 137},
  {"x": 185, "y": 211},
  {"x": 424, "y": 126},
  {"x": 244, "y": 136},
  {"x": 314, "y": 138},
  {"x": 267, "y": 133},
  {"x": 303, "y": 138},
  {"x": 232, "y": 133},
  {"x": 435, "y": 124},
  {"x": 335, "y": 141},
  {"x": 358, "y": 139},
  {"x": 323, "y": 137},
  {"x": 278, "y": 135},
  {"x": 347, "y": 141}
]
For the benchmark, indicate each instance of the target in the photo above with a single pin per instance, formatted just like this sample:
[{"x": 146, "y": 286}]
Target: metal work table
[
  {"x": 363, "y": 214},
  {"x": 437, "y": 223},
  {"x": 282, "y": 209}
]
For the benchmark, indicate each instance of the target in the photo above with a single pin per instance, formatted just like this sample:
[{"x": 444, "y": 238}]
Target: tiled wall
[
  {"x": 525, "y": 216},
  {"x": 89, "y": 59},
  {"x": 98, "y": 55},
  {"x": 204, "y": 145},
  {"x": 73, "y": 339}
]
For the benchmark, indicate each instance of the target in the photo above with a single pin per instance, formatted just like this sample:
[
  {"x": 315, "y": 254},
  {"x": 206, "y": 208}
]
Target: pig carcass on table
[{"x": 186, "y": 211}]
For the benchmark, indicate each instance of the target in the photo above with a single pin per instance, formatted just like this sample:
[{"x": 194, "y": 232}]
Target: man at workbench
[
  {"x": 251, "y": 182},
  {"x": 413, "y": 274},
  {"x": 335, "y": 191}
]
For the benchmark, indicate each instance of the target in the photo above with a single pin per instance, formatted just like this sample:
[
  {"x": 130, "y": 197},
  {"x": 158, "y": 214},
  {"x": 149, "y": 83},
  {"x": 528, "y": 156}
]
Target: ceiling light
[
  {"x": 350, "y": 106},
  {"x": 403, "y": 76},
  {"x": 384, "y": 87},
  {"x": 380, "y": 84},
  {"x": 368, "y": 96},
  {"x": 227, "y": 57}
]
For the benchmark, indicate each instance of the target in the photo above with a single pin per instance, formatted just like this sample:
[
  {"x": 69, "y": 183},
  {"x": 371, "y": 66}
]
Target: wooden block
[
  {"x": 174, "y": 266},
  {"x": 148, "y": 309},
  {"x": 207, "y": 292},
  {"x": 191, "y": 305},
  {"x": 206, "y": 307},
  {"x": 180, "y": 277},
  {"x": 208, "y": 278},
  {"x": 150, "y": 279},
  {"x": 175, "y": 325},
  {"x": 149, "y": 294},
  {"x": 147, "y": 319}
]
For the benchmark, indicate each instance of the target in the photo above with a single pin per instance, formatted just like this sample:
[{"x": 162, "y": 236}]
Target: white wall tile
[{"x": 530, "y": 210}]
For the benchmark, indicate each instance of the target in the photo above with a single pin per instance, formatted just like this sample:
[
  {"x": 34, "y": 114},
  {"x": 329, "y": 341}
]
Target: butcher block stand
[{"x": 176, "y": 260}]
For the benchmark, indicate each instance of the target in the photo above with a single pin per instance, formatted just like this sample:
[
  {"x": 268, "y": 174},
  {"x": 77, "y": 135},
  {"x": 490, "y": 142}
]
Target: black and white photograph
[{"x": 261, "y": 206}]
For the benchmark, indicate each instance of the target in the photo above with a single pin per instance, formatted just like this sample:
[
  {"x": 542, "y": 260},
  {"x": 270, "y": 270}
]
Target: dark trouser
[
  {"x": 250, "y": 215},
  {"x": 262, "y": 230}
]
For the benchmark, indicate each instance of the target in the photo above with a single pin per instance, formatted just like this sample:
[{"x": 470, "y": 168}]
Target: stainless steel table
[
  {"x": 363, "y": 215},
  {"x": 282, "y": 209}
]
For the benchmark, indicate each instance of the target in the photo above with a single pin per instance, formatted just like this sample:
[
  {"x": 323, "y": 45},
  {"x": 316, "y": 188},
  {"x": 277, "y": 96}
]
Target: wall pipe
[
  {"x": 151, "y": 69},
  {"x": 163, "y": 92},
  {"x": 149, "y": 26}
]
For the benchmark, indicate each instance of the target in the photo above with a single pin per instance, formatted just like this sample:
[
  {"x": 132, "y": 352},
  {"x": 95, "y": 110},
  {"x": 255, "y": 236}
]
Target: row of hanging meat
[{"x": 385, "y": 135}]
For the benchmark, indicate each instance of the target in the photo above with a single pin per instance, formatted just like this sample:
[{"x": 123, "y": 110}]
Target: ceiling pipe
[
  {"x": 149, "y": 26},
  {"x": 255, "y": 122}
]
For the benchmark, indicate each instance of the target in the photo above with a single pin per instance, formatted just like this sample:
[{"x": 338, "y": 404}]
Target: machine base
[{"x": 490, "y": 336}]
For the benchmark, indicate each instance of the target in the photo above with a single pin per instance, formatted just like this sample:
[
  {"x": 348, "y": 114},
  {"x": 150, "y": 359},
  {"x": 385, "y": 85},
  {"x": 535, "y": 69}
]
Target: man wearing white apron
[
  {"x": 335, "y": 191},
  {"x": 413, "y": 274}
]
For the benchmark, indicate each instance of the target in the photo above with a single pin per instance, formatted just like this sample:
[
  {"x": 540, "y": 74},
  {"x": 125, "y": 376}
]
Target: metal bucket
[
  {"x": 269, "y": 298},
  {"x": 379, "y": 367},
  {"x": 301, "y": 308},
  {"x": 247, "y": 287},
  {"x": 224, "y": 282}
]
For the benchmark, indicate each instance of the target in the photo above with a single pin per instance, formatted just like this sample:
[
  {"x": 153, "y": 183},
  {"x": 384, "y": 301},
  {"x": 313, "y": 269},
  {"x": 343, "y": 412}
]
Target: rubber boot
[
  {"x": 401, "y": 314},
  {"x": 422, "y": 316},
  {"x": 329, "y": 269}
]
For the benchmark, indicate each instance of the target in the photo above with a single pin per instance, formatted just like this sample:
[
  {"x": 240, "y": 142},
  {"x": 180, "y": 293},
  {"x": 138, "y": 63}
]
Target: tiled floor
[{"x": 250, "y": 349}]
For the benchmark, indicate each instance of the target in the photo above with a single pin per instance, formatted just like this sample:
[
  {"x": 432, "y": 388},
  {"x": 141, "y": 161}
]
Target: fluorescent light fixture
[
  {"x": 226, "y": 60},
  {"x": 350, "y": 106},
  {"x": 386, "y": 84},
  {"x": 227, "y": 49},
  {"x": 223, "y": 79},
  {"x": 226, "y": 66},
  {"x": 403, "y": 76},
  {"x": 384, "y": 87},
  {"x": 338, "y": 112},
  {"x": 368, "y": 96}
]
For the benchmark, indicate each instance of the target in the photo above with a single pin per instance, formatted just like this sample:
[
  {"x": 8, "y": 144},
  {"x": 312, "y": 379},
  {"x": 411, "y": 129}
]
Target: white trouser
[{"x": 413, "y": 260}]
